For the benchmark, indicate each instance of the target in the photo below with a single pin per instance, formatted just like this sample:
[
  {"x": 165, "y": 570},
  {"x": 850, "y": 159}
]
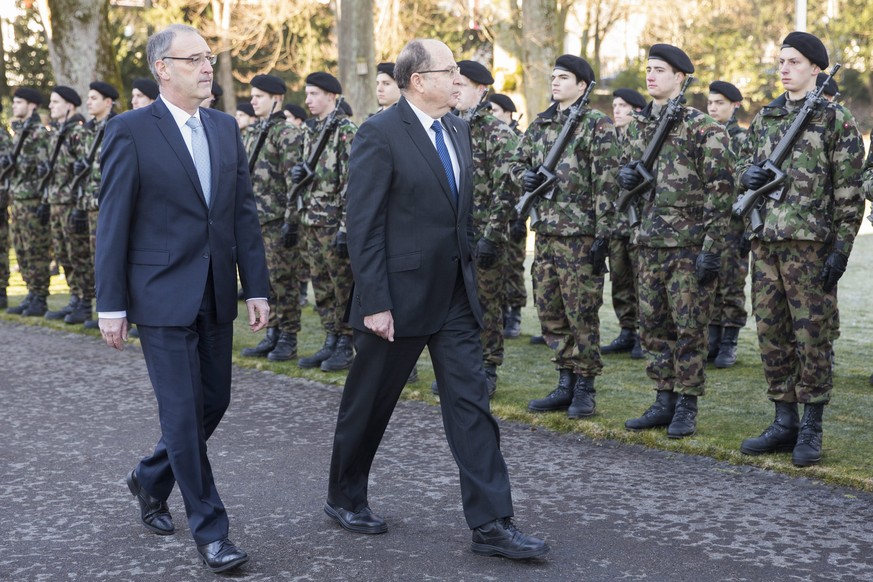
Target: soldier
[
  {"x": 502, "y": 108},
  {"x": 622, "y": 254},
  {"x": 5, "y": 150},
  {"x": 493, "y": 195},
  {"x": 217, "y": 92},
  {"x": 70, "y": 249},
  {"x": 144, "y": 92},
  {"x": 31, "y": 237},
  {"x": 322, "y": 224},
  {"x": 831, "y": 90},
  {"x": 803, "y": 249},
  {"x": 867, "y": 185},
  {"x": 281, "y": 148},
  {"x": 246, "y": 120},
  {"x": 729, "y": 307},
  {"x": 683, "y": 224},
  {"x": 387, "y": 92},
  {"x": 295, "y": 115},
  {"x": 572, "y": 235}
]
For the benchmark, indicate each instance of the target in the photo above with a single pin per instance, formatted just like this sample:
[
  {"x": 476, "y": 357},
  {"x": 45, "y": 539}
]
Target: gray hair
[
  {"x": 159, "y": 43},
  {"x": 413, "y": 58}
]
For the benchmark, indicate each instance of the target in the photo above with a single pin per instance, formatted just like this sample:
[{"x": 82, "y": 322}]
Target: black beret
[
  {"x": 346, "y": 108},
  {"x": 503, "y": 101},
  {"x": 296, "y": 111},
  {"x": 631, "y": 97},
  {"x": 728, "y": 90},
  {"x": 831, "y": 88},
  {"x": 476, "y": 72},
  {"x": 28, "y": 94},
  {"x": 809, "y": 46},
  {"x": 325, "y": 81},
  {"x": 387, "y": 68},
  {"x": 217, "y": 91},
  {"x": 576, "y": 65},
  {"x": 246, "y": 108},
  {"x": 270, "y": 84},
  {"x": 147, "y": 87},
  {"x": 68, "y": 94},
  {"x": 104, "y": 89},
  {"x": 673, "y": 56}
]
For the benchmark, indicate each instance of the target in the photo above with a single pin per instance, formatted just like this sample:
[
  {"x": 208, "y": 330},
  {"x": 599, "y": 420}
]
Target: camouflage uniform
[
  {"x": 5, "y": 148},
  {"x": 512, "y": 264},
  {"x": 568, "y": 295},
  {"x": 622, "y": 263},
  {"x": 868, "y": 172},
  {"x": 821, "y": 210},
  {"x": 688, "y": 212}
]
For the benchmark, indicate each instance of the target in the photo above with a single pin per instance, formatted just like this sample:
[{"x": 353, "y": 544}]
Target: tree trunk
[
  {"x": 4, "y": 87},
  {"x": 541, "y": 42},
  {"x": 224, "y": 73},
  {"x": 357, "y": 55}
]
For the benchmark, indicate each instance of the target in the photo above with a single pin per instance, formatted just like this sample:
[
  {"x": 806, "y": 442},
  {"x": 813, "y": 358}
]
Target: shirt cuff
[
  {"x": 256, "y": 299},
  {"x": 111, "y": 314}
]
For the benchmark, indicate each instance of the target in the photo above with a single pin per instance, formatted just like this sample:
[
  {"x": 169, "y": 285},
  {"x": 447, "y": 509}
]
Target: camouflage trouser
[
  {"x": 331, "y": 277},
  {"x": 92, "y": 231},
  {"x": 622, "y": 258},
  {"x": 795, "y": 318},
  {"x": 283, "y": 264},
  {"x": 489, "y": 283},
  {"x": 32, "y": 242},
  {"x": 568, "y": 297},
  {"x": 4, "y": 241},
  {"x": 729, "y": 307},
  {"x": 674, "y": 316},
  {"x": 71, "y": 251},
  {"x": 512, "y": 272}
]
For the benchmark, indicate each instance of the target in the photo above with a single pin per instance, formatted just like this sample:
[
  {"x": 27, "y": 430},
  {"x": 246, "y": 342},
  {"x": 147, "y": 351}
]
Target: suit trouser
[
  {"x": 190, "y": 370},
  {"x": 371, "y": 391}
]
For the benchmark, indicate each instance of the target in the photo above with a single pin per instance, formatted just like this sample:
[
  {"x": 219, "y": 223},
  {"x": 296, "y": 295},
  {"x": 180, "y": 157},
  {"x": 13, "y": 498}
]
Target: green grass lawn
[{"x": 735, "y": 406}]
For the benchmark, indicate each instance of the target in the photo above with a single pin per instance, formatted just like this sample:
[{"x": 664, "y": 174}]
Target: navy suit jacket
[
  {"x": 407, "y": 236},
  {"x": 156, "y": 237}
]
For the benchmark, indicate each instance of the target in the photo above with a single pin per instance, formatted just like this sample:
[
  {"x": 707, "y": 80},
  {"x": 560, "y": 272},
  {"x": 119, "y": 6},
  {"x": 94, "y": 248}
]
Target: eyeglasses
[
  {"x": 452, "y": 71},
  {"x": 195, "y": 61}
]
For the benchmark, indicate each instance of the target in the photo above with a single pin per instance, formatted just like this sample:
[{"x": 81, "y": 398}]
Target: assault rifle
[
  {"x": 553, "y": 158},
  {"x": 79, "y": 179},
  {"x": 645, "y": 166},
  {"x": 330, "y": 124},
  {"x": 751, "y": 202},
  {"x": 266, "y": 124},
  {"x": 59, "y": 143},
  {"x": 26, "y": 128}
]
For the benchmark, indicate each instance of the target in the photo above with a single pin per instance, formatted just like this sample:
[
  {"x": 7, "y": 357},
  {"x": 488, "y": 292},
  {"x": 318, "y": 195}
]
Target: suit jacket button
[
  {"x": 455, "y": 258},
  {"x": 205, "y": 255}
]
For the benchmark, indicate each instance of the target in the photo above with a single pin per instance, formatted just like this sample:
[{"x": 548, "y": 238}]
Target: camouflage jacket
[
  {"x": 271, "y": 178},
  {"x": 737, "y": 136},
  {"x": 494, "y": 192},
  {"x": 585, "y": 186},
  {"x": 62, "y": 172},
  {"x": 691, "y": 199},
  {"x": 249, "y": 138},
  {"x": 90, "y": 185},
  {"x": 24, "y": 181},
  {"x": 620, "y": 227},
  {"x": 822, "y": 196},
  {"x": 868, "y": 172},
  {"x": 324, "y": 198}
]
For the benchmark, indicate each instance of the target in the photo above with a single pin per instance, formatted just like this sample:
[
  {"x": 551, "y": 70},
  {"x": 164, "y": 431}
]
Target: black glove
[
  {"x": 79, "y": 221},
  {"x": 597, "y": 255},
  {"x": 532, "y": 180},
  {"x": 341, "y": 244},
  {"x": 707, "y": 267},
  {"x": 517, "y": 230},
  {"x": 5, "y": 161},
  {"x": 833, "y": 269},
  {"x": 298, "y": 172},
  {"x": 80, "y": 166},
  {"x": 486, "y": 253},
  {"x": 42, "y": 169},
  {"x": 43, "y": 213},
  {"x": 755, "y": 177},
  {"x": 629, "y": 178},
  {"x": 745, "y": 246},
  {"x": 289, "y": 235}
]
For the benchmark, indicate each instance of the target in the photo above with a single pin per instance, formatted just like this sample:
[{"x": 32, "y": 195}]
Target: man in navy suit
[
  {"x": 409, "y": 196},
  {"x": 177, "y": 219}
]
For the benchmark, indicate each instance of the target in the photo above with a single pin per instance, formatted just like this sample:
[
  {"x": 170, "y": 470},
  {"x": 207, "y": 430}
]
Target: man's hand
[
  {"x": 114, "y": 331},
  {"x": 755, "y": 177},
  {"x": 382, "y": 324},
  {"x": 707, "y": 267},
  {"x": 5, "y": 161},
  {"x": 833, "y": 269},
  {"x": 289, "y": 234},
  {"x": 629, "y": 178},
  {"x": 259, "y": 313},
  {"x": 532, "y": 180},
  {"x": 298, "y": 172},
  {"x": 43, "y": 213},
  {"x": 518, "y": 230},
  {"x": 341, "y": 244},
  {"x": 486, "y": 253},
  {"x": 79, "y": 221},
  {"x": 42, "y": 169},
  {"x": 597, "y": 255},
  {"x": 80, "y": 166}
]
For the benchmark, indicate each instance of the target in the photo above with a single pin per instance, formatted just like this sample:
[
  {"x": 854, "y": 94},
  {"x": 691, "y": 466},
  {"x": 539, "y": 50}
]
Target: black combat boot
[
  {"x": 19, "y": 309},
  {"x": 286, "y": 348},
  {"x": 560, "y": 398},
  {"x": 80, "y": 314},
  {"x": 659, "y": 414},
  {"x": 623, "y": 343},
  {"x": 265, "y": 346},
  {"x": 727, "y": 349},
  {"x": 92, "y": 324},
  {"x": 321, "y": 355},
  {"x": 37, "y": 308},
  {"x": 304, "y": 299},
  {"x": 512, "y": 322},
  {"x": 637, "y": 352},
  {"x": 413, "y": 376},
  {"x": 808, "y": 449},
  {"x": 713, "y": 342},
  {"x": 537, "y": 340},
  {"x": 4, "y": 300},
  {"x": 491, "y": 379},
  {"x": 583, "y": 398},
  {"x": 342, "y": 357},
  {"x": 780, "y": 436},
  {"x": 63, "y": 311},
  {"x": 684, "y": 423}
]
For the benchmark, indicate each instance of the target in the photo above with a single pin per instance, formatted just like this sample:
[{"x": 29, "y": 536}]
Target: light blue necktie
[
  {"x": 200, "y": 153},
  {"x": 445, "y": 158}
]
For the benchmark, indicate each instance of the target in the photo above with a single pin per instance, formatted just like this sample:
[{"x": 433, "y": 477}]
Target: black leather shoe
[
  {"x": 501, "y": 538},
  {"x": 222, "y": 555},
  {"x": 154, "y": 513},
  {"x": 363, "y": 521}
]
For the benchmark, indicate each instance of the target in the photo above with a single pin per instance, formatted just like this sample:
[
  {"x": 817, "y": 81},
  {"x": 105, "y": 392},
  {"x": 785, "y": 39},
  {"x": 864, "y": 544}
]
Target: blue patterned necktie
[
  {"x": 200, "y": 153},
  {"x": 445, "y": 158}
]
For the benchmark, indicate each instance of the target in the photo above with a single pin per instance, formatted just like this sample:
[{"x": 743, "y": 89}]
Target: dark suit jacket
[
  {"x": 156, "y": 237},
  {"x": 407, "y": 237}
]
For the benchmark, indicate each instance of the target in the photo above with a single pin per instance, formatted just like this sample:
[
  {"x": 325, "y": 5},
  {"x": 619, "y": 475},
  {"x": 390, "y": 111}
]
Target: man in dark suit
[
  {"x": 177, "y": 219},
  {"x": 410, "y": 239}
]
